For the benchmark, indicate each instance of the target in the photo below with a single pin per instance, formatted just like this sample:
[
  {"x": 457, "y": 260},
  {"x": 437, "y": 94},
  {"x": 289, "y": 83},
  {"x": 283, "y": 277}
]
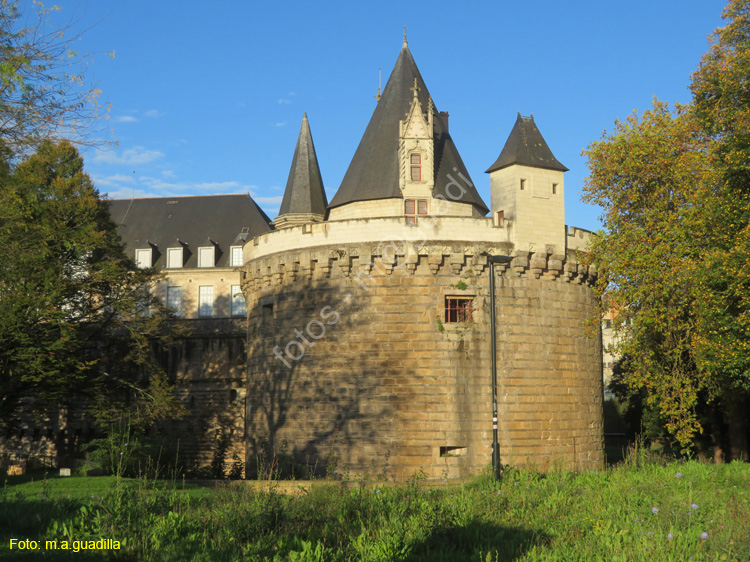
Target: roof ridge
[{"x": 179, "y": 197}]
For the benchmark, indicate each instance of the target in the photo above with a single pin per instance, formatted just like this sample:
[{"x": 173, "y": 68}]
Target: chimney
[{"x": 444, "y": 119}]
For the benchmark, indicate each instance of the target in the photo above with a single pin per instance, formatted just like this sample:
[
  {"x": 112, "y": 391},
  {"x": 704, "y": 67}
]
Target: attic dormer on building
[{"x": 416, "y": 152}]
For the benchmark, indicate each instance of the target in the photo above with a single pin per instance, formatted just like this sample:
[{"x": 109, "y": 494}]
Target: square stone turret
[{"x": 527, "y": 191}]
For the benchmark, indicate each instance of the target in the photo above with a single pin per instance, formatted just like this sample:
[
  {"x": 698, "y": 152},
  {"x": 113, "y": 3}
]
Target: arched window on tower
[{"x": 416, "y": 167}]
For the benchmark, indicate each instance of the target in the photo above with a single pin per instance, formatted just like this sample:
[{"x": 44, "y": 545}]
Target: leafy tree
[
  {"x": 76, "y": 316},
  {"x": 644, "y": 174},
  {"x": 43, "y": 93},
  {"x": 675, "y": 259},
  {"x": 721, "y": 90}
]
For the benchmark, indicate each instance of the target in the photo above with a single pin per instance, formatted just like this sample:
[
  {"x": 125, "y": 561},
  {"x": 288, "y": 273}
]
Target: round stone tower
[{"x": 369, "y": 317}]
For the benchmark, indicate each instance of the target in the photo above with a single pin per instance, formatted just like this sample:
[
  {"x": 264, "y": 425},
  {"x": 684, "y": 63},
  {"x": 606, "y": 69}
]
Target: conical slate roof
[
  {"x": 374, "y": 171},
  {"x": 527, "y": 147},
  {"x": 304, "y": 191}
]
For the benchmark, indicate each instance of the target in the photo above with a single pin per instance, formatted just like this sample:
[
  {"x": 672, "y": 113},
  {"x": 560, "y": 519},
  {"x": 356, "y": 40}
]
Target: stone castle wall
[
  {"x": 208, "y": 367},
  {"x": 352, "y": 365}
]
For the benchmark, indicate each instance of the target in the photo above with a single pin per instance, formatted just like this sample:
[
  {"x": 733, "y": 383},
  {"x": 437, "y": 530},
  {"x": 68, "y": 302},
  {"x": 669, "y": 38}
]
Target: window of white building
[
  {"x": 239, "y": 306},
  {"x": 236, "y": 256},
  {"x": 174, "y": 258},
  {"x": 143, "y": 258},
  {"x": 174, "y": 299},
  {"x": 205, "y": 300},
  {"x": 206, "y": 256}
]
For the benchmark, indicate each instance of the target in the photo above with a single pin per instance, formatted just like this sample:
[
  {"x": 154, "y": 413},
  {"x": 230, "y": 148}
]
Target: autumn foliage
[{"x": 674, "y": 260}]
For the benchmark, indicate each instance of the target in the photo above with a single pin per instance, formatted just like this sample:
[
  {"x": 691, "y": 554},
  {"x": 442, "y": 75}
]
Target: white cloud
[
  {"x": 284, "y": 101},
  {"x": 126, "y": 119},
  {"x": 262, "y": 201},
  {"x": 115, "y": 181},
  {"x": 280, "y": 124},
  {"x": 126, "y": 193},
  {"x": 123, "y": 186},
  {"x": 153, "y": 113},
  {"x": 160, "y": 187},
  {"x": 131, "y": 156}
]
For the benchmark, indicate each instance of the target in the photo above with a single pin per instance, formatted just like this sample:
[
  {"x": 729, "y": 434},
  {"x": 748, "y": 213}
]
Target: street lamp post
[{"x": 493, "y": 354}]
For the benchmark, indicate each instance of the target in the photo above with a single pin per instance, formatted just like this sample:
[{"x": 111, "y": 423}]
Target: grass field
[{"x": 662, "y": 512}]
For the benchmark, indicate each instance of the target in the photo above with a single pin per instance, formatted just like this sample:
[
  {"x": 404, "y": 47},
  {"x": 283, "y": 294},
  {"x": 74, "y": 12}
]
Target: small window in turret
[
  {"x": 523, "y": 184},
  {"x": 413, "y": 208},
  {"x": 416, "y": 167},
  {"x": 458, "y": 309},
  {"x": 554, "y": 189}
]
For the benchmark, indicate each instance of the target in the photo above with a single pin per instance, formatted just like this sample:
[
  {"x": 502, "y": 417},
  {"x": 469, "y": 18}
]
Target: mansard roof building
[{"x": 196, "y": 242}]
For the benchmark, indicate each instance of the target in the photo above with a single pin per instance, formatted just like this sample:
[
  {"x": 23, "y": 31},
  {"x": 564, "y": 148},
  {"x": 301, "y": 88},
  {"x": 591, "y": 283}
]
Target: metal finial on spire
[
  {"x": 380, "y": 79},
  {"x": 405, "y": 43}
]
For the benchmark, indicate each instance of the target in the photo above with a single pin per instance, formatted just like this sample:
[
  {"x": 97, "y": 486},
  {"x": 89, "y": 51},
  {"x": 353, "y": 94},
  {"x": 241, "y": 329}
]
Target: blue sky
[{"x": 208, "y": 97}]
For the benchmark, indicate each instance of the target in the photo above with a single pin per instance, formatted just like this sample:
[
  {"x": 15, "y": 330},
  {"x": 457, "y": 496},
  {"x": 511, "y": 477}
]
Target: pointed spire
[
  {"x": 526, "y": 146},
  {"x": 374, "y": 170},
  {"x": 304, "y": 193},
  {"x": 405, "y": 45}
]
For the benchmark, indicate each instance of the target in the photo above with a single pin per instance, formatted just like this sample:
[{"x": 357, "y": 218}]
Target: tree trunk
[
  {"x": 716, "y": 433},
  {"x": 737, "y": 419}
]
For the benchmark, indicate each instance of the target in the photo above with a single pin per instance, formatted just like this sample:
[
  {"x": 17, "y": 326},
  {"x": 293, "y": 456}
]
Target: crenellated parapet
[{"x": 355, "y": 260}]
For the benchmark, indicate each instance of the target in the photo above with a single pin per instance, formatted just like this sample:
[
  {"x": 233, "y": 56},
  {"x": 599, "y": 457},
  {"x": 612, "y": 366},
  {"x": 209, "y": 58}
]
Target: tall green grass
[{"x": 663, "y": 512}]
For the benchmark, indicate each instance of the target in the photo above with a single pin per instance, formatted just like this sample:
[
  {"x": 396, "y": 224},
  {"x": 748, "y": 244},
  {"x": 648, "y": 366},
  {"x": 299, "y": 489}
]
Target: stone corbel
[
  {"x": 434, "y": 261},
  {"x": 519, "y": 263},
  {"x": 411, "y": 257},
  {"x": 305, "y": 265},
  {"x": 277, "y": 273},
  {"x": 387, "y": 263},
  {"x": 323, "y": 266},
  {"x": 555, "y": 264},
  {"x": 344, "y": 262},
  {"x": 457, "y": 262}
]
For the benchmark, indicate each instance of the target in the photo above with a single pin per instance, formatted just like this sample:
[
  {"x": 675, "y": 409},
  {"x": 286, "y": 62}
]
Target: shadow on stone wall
[
  {"x": 207, "y": 367},
  {"x": 314, "y": 373}
]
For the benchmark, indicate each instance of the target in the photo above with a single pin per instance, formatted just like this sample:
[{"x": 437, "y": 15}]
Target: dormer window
[
  {"x": 236, "y": 252},
  {"x": 416, "y": 167},
  {"x": 206, "y": 256},
  {"x": 143, "y": 258},
  {"x": 413, "y": 208},
  {"x": 174, "y": 258}
]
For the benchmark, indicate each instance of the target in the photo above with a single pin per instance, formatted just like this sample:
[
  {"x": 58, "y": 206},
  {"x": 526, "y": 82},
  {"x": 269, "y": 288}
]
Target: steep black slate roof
[
  {"x": 373, "y": 172},
  {"x": 162, "y": 221},
  {"x": 527, "y": 147},
  {"x": 304, "y": 189}
]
